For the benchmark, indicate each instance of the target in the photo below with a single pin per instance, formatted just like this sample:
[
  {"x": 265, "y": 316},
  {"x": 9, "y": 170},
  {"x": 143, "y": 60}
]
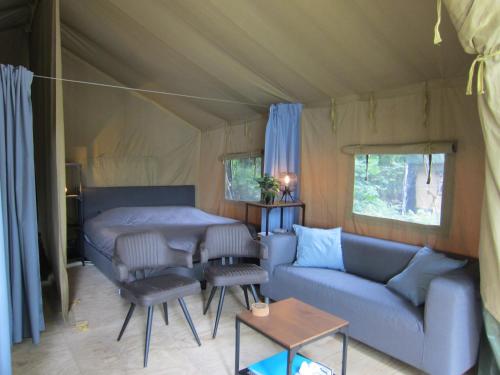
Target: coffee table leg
[
  {"x": 345, "y": 342},
  {"x": 237, "y": 349},
  {"x": 291, "y": 354}
]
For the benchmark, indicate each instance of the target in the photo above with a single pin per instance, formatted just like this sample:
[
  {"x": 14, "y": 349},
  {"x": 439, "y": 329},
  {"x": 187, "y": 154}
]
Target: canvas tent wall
[
  {"x": 48, "y": 125},
  {"x": 400, "y": 117},
  {"x": 255, "y": 52},
  {"x": 261, "y": 52},
  {"x": 124, "y": 139},
  {"x": 477, "y": 24},
  {"x": 327, "y": 183}
]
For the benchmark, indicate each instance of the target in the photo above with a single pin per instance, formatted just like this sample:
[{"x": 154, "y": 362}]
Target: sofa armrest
[
  {"x": 281, "y": 249},
  {"x": 452, "y": 323},
  {"x": 263, "y": 250}
]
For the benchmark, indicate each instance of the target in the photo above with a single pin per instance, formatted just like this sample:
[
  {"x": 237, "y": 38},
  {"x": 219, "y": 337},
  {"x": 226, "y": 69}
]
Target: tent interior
[{"x": 167, "y": 92}]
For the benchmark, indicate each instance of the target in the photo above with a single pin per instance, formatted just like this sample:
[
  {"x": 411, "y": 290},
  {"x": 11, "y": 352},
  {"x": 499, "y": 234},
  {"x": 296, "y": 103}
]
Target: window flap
[
  {"x": 242, "y": 155},
  {"x": 441, "y": 147}
]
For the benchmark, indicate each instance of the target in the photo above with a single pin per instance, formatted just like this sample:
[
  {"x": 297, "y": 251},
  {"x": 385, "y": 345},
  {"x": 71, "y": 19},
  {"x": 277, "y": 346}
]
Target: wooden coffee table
[{"x": 292, "y": 324}]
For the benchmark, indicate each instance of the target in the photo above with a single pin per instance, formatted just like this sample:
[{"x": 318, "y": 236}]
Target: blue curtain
[
  {"x": 5, "y": 360},
  {"x": 18, "y": 202},
  {"x": 282, "y": 154}
]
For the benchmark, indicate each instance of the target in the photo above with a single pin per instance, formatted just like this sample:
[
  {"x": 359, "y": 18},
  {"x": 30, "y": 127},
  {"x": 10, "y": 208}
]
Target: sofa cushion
[
  {"x": 377, "y": 316},
  {"x": 373, "y": 258},
  {"x": 319, "y": 247},
  {"x": 415, "y": 279},
  {"x": 159, "y": 289},
  {"x": 235, "y": 274}
]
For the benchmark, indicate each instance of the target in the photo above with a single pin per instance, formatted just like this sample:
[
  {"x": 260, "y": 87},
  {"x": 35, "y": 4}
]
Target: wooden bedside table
[{"x": 281, "y": 205}]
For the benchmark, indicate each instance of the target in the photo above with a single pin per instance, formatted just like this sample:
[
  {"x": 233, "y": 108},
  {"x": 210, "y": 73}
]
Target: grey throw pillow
[{"x": 413, "y": 282}]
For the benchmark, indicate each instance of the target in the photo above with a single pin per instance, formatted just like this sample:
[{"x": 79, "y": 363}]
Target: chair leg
[
  {"x": 254, "y": 293},
  {"x": 125, "y": 323},
  {"x": 148, "y": 334},
  {"x": 203, "y": 284},
  {"x": 219, "y": 310},
  {"x": 245, "y": 291},
  {"x": 165, "y": 312},
  {"x": 188, "y": 318},
  {"x": 212, "y": 293}
]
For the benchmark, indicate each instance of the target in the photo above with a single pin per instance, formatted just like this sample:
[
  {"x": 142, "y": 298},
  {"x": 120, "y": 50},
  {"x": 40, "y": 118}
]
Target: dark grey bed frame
[{"x": 98, "y": 199}]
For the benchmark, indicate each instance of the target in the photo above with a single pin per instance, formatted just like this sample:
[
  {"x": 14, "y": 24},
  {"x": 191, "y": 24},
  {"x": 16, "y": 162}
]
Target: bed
[{"x": 111, "y": 211}]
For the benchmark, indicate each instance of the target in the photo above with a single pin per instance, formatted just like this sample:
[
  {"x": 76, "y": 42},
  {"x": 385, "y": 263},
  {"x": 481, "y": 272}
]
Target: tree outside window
[
  {"x": 240, "y": 178},
  {"x": 399, "y": 187}
]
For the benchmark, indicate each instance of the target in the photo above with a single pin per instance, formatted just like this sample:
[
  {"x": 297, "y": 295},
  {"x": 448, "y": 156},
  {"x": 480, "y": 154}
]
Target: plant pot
[{"x": 267, "y": 197}]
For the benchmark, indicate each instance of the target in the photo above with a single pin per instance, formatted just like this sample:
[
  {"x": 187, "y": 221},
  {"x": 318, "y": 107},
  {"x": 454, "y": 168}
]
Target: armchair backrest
[
  {"x": 230, "y": 240},
  {"x": 147, "y": 250}
]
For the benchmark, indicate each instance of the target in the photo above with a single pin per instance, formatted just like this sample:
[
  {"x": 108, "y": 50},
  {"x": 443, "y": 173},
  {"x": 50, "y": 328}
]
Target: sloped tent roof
[
  {"x": 15, "y": 13},
  {"x": 260, "y": 52},
  {"x": 15, "y": 20}
]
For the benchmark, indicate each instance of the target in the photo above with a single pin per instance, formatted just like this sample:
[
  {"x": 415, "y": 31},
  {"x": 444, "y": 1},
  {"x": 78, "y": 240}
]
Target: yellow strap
[
  {"x": 332, "y": 115},
  {"x": 480, "y": 60},
  {"x": 437, "y": 34}
]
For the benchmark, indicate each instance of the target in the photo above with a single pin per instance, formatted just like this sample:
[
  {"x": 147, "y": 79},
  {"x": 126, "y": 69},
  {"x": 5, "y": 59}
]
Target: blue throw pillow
[
  {"x": 319, "y": 248},
  {"x": 413, "y": 282}
]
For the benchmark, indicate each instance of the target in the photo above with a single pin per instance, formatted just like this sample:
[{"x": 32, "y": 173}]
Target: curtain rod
[{"x": 152, "y": 91}]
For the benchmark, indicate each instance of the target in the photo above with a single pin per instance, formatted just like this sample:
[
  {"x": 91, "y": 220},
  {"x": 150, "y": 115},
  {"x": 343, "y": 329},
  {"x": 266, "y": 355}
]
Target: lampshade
[{"x": 288, "y": 180}]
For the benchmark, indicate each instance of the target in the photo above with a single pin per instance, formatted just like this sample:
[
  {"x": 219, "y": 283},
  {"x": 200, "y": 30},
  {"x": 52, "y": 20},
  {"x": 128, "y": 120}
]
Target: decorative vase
[{"x": 267, "y": 197}]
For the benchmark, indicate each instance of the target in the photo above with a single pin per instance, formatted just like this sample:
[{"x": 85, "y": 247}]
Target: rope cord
[{"x": 220, "y": 100}]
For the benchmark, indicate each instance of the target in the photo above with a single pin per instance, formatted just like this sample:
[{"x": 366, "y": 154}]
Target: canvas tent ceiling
[
  {"x": 15, "y": 13},
  {"x": 15, "y": 19},
  {"x": 260, "y": 51}
]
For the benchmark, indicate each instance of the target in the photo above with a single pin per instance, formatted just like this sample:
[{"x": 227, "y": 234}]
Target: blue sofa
[{"x": 441, "y": 337}]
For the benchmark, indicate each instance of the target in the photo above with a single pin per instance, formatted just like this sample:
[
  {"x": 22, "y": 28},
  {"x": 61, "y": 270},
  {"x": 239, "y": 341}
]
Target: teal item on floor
[{"x": 276, "y": 365}]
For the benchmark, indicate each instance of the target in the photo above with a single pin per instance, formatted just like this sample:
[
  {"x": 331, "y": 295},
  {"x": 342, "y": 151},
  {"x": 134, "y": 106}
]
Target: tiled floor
[{"x": 71, "y": 349}]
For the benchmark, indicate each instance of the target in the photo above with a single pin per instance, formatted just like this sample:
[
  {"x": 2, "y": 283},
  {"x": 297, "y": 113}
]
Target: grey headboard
[{"x": 99, "y": 199}]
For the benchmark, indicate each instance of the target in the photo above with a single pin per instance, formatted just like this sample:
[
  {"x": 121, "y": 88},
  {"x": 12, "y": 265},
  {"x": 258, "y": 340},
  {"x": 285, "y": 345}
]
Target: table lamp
[{"x": 288, "y": 182}]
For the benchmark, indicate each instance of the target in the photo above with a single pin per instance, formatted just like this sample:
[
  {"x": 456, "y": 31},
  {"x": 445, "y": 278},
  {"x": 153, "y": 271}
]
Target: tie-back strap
[
  {"x": 332, "y": 115},
  {"x": 437, "y": 34},
  {"x": 480, "y": 60}
]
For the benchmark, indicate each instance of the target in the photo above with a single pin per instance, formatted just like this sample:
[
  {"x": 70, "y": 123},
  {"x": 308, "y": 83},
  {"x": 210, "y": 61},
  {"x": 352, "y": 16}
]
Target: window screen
[
  {"x": 400, "y": 187},
  {"x": 240, "y": 178}
]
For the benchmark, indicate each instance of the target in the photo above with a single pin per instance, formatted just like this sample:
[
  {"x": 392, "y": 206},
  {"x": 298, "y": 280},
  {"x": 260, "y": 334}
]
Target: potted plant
[{"x": 269, "y": 188}]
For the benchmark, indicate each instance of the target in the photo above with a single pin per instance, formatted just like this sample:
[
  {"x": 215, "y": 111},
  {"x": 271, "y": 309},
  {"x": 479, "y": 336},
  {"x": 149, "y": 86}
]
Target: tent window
[
  {"x": 406, "y": 187},
  {"x": 240, "y": 178}
]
